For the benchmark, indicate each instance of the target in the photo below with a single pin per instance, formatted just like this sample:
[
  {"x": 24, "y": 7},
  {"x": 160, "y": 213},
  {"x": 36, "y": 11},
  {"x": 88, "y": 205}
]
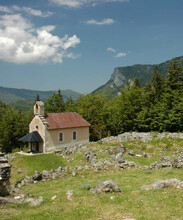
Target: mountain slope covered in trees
[
  {"x": 23, "y": 99},
  {"x": 10, "y": 95},
  {"x": 156, "y": 107},
  {"x": 127, "y": 74}
]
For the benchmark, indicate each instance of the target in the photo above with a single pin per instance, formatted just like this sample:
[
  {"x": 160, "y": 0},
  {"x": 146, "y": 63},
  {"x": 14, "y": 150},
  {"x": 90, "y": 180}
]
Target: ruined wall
[{"x": 5, "y": 170}]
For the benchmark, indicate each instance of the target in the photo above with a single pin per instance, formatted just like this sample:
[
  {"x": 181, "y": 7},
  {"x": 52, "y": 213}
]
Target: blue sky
[{"x": 76, "y": 44}]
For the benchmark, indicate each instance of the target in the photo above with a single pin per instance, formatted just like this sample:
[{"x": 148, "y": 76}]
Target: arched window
[
  {"x": 61, "y": 137},
  {"x": 74, "y": 136},
  {"x": 37, "y": 128}
]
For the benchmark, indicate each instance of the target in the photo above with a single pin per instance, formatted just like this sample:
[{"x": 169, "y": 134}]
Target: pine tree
[
  {"x": 157, "y": 83},
  {"x": 54, "y": 103},
  {"x": 175, "y": 76}
]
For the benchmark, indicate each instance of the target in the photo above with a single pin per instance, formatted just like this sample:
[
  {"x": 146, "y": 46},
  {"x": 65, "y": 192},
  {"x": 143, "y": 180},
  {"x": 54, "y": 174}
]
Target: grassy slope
[
  {"x": 131, "y": 203},
  {"x": 29, "y": 164}
]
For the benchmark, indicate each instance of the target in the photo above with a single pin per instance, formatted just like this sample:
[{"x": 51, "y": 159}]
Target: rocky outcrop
[
  {"x": 161, "y": 184},
  {"x": 174, "y": 161},
  {"x": 91, "y": 157},
  {"x": 31, "y": 201},
  {"x": 106, "y": 186},
  {"x": 142, "y": 136},
  {"x": 118, "y": 78},
  {"x": 5, "y": 170}
]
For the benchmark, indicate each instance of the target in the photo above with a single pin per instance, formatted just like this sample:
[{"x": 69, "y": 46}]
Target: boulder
[
  {"x": 119, "y": 158},
  {"x": 131, "y": 153},
  {"x": 90, "y": 157},
  {"x": 37, "y": 176},
  {"x": 106, "y": 186},
  {"x": 45, "y": 174},
  {"x": 9, "y": 201},
  {"x": 33, "y": 201}
]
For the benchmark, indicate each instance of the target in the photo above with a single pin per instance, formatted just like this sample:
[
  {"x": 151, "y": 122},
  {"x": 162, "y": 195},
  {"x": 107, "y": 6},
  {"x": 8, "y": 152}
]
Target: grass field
[{"x": 132, "y": 203}]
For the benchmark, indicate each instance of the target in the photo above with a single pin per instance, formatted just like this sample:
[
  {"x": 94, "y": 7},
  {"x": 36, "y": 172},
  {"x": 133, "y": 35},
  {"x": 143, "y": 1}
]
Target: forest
[{"x": 156, "y": 107}]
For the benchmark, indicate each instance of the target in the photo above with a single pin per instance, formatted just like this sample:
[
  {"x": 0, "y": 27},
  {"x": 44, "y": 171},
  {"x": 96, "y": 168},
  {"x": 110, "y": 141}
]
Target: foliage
[
  {"x": 54, "y": 103},
  {"x": 13, "y": 125},
  {"x": 156, "y": 107},
  {"x": 90, "y": 107}
]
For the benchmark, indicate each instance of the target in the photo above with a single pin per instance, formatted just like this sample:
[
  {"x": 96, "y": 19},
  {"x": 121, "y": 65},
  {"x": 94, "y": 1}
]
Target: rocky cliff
[{"x": 121, "y": 75}]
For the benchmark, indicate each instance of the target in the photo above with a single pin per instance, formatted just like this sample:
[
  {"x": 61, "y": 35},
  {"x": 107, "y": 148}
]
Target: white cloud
[
  {"x": 73, "y": 56},
  {"x": 121, "y": 54},
  {"x": 36, "y": 12},
  {"x": 105, "y": 21},
  {"x": 20, "y": 42},
  {"x": 70, "y": 3},
  {"x": 79, "y": 3},
  {"x": 111, "y": 49},
  {"x": 28, "y": 10}
]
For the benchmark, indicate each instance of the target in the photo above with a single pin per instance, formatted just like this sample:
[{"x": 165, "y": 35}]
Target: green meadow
[{"x": 131, "y": 203}]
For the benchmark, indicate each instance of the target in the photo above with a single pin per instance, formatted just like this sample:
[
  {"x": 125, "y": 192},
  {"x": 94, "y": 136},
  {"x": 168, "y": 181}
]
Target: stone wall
[{"x": 5, "y": 170}]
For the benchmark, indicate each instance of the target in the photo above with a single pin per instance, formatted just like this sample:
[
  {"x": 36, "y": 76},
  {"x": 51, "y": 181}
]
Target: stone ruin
[{"x": 5, "y": 170}]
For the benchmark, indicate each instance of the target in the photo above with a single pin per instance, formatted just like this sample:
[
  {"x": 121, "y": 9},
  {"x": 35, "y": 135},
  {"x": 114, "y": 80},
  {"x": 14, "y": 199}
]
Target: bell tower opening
[{"x": 39, "y": 108}]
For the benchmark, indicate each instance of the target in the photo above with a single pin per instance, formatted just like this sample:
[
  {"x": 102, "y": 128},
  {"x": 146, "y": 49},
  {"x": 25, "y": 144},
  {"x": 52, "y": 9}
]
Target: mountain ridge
[
  {"x": 9, "y": 95},
  {"x": 121, "y": 75},
  {"x": 23, "y": 99}
]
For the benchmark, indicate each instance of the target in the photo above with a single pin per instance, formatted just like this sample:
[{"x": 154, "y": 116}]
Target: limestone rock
[
  {"x": 90, "y": 157},
  {"x": 9, "y": 201},
  {"x": 131, "y": 153},
  {"x": 119, "y": 158},
  {"x": 69, "y": 194},
  {"x": 33, "y": 201},
  {"x": 161, "y": 184},
  {"x": 106, "y": 186},
  {"x": 37, "y": 176}
]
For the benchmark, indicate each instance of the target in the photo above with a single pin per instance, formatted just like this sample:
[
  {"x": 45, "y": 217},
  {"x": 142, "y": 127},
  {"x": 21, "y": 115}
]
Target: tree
[
  {"x": 69, "y": 105},
  {"x": 157, "y": 83},
  {"x": 175, "y": 76},
  {"x": 90, "y": 107},
  {"x": 112, "y": 115},
  {"x": 37, "y": 97},
  {"x": 137, "y": 82},
  {"x": 13, "y": 125},
  {"x": 54, "y": 103}
]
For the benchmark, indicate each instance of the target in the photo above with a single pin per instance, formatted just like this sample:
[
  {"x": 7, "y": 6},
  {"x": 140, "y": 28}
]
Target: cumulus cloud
[
  {"x": 105, "y": 21},
  {"x": 111, "y": 49},
  {"x": 21, "y": 42},
  {"x": 28, "y": 10},
  {"x": 121, "y": 54},
  {"x": 79, "y": 3}
]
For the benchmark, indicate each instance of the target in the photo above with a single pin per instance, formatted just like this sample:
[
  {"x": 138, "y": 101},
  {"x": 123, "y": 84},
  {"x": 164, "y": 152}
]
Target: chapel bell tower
[{"x": 39, "y": 108}]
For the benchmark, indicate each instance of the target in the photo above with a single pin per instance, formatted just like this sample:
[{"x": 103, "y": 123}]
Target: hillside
[
  {"x": 23, "y": 98},
  {"x": 73, "y": 172},
  {"x": 121, "y": 75}
]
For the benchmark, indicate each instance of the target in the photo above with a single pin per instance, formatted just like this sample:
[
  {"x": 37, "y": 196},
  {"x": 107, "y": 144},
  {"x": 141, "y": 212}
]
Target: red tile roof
[{"x": 65, "y": 120}]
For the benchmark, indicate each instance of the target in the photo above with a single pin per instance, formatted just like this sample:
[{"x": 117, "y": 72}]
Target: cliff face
[
  {"x": 118, "y": 78},
  {"x": 121, "y": 75}
]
